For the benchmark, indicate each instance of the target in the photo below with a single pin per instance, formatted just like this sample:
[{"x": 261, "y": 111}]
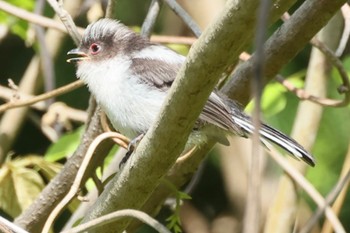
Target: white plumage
[{"x": 130, "y": 77}]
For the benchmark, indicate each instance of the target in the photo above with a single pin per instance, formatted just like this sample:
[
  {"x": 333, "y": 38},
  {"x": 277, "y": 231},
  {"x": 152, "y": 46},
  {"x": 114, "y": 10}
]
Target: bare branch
[
  {"x": 184, "y": 16},
  {"x": 311, "y": 191},
  {"x": 118, "y": 215},
  {"x": 59, "y": 91},
  {"x": 9, "y": 227},
  {"x": 342, "y": 183},
  {"x": 338, "y": 204},
  {"x": 173, "y": 39},
  {"x": 50, "y": 23},
  {"x": 344, "y": 88},
  {"x": 303, "y": 94},
  {"x": 14, "y": 95},
  {"x": 79, "y": 178},
  {"x": 110, "y": 10},
  {"x": 252, "y": 213},
  {"x": 66, "y": 20},
  {"x": 345, "y": 9},
  {"x": 150, "y": 19}
]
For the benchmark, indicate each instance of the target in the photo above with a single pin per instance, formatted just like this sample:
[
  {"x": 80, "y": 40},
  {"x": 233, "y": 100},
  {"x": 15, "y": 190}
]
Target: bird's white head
[{"x": 106, "y": 39}]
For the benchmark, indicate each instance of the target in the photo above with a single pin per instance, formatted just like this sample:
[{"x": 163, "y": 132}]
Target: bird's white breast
[{"x": 130, "y": 104}]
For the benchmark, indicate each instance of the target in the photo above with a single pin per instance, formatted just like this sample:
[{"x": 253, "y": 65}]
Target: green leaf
[
  {"x": 27, "y": 184},
  {"x": 27, "y": 5},
  {"x": 8, "y": 199},
  {"x": 174, "y": 223},
  {"x": 16, "y": 25},
  {"x": 274, "y": 98},
  {"x": 47, "y": 168},
  {"x": 297, "y": 79},
  {"x": 20, "y": 28},
  {"x": 21, "y": 182},
  {"x": 90, "y": 184},
  {"x": 184, "y": 196},
  {"x": 64, "y": 147}
]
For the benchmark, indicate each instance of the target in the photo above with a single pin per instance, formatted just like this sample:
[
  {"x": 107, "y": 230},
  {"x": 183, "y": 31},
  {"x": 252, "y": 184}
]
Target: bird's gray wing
[
  {"x": 155, "y": 72},
  {"x": 161, "y": 75}
]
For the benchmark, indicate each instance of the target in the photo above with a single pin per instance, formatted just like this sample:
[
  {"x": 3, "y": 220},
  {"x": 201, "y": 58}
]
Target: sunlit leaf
[
  {"x": 184, "y": 196},
  {"x": 21, "y": 182},
  {"x": 297, "y": 78},
  {"x": 90, "y": 184},
  {"x": 274, "y": 97},
  {"x": 64, "y": 147},
  {"x": 16, "y": 25},
  {"x": 28, "y": 184},
  {"x": 8, "y": 199},
  {"x": 47, "y": 168}
]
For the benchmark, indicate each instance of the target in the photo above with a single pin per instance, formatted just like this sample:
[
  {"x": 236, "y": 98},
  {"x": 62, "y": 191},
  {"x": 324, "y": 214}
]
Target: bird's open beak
[{"x": 80, "y": 56}]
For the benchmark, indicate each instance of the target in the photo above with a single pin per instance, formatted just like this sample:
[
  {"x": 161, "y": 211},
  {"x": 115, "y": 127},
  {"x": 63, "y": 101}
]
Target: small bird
[{"x": 130, "y": 78}]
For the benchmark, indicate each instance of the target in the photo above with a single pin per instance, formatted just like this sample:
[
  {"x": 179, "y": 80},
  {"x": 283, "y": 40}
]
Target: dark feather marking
[{"x": 217, "y": 113}]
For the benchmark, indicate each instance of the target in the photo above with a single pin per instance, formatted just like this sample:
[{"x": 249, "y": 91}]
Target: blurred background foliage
[{"x": 279, "y": 108}]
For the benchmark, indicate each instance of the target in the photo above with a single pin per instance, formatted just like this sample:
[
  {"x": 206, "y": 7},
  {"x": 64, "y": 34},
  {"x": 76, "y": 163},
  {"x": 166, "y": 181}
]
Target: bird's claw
[{"x": 131, "y": 147}]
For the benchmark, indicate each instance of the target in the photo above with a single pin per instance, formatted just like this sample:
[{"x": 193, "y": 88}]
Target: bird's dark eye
[{"x": 95, "y": 48}]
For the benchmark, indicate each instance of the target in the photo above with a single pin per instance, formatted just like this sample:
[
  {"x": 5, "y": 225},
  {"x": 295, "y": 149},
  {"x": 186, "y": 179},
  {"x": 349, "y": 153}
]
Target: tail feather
[{"x": 279, "y": 139}]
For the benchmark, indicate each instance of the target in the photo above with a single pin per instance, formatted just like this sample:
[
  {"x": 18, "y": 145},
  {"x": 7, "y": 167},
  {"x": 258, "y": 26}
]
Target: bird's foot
[{"x": 131, "y": 148}]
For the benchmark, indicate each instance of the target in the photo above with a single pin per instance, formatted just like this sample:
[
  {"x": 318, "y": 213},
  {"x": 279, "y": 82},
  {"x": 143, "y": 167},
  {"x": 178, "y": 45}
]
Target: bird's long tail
[{"x": 278, "y": 138}]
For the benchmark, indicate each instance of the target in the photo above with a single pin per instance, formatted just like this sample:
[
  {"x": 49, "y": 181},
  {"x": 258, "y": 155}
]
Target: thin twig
[
  {"x": 344, "y": 181},
  {"x": 7, "y": 226},
  {"x": 122, "y": 141},
  {"x": 70, "y": 113},
  {"x": 50, "y": 23},
  {"x": 47, "y": 65},
  {"x": 339, "y": 203},
  {"x": 252, "y": 209},
  {"x": 66, "y": 20},
  {"x": 61, "y": 112},
  {"x": 14, "y": 95},
  {"x": 150, "y": 20},
  {"x": 304, "y": 95},
  {"x": 343, "y": 89},
  {"x": 110, "y": 9},
  {"x": 173, "y": 39},
  {"x": 345, "y": 9},
  {"x": 184, "y": 16},
  {"x": 45, "y": 96},
  {"x": 78, "y": 178},
  {"x": 309, "y": 188},
  {"x": 118, "y": 215}
]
